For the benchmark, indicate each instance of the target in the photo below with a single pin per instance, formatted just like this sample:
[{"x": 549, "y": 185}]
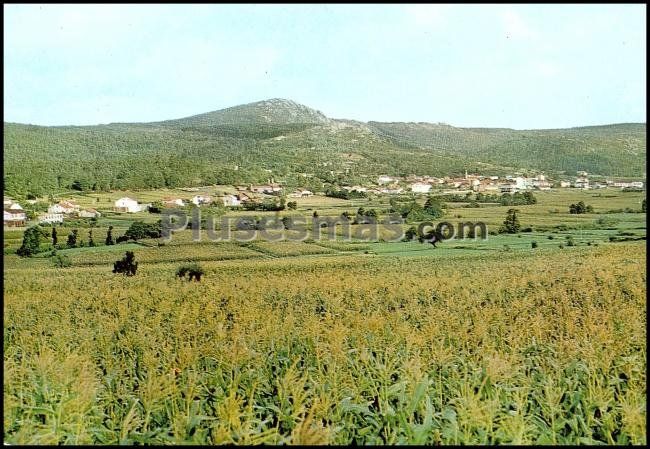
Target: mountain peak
[{"x": 275, "y": 111}]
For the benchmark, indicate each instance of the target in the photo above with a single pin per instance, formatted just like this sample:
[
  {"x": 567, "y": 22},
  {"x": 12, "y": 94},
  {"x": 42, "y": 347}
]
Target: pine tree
[
  {"x": 91, "y": 242},
  {"x": 511, "y": 224},
  {"x": 109, "y": 236},
  {"x": 54, "y": 237}
]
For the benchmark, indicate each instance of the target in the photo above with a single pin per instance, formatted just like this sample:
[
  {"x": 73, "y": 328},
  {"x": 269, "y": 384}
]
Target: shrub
[
  {"x": 61, "y": 261},
  {"x": 533, "y": 244},
  {"x": 192, "y": 271},
  {"x": 127, "y": 265},
  {"x": 410, "y": 234}
]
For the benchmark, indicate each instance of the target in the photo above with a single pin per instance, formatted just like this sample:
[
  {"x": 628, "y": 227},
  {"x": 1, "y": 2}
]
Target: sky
[{"x": 511, "y": 66}]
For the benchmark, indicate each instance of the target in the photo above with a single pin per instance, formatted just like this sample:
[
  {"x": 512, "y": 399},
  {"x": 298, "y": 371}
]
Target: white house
[
  {"x": 63, "y": 207},
  {"x": 50, "y": 218},
  {"x": 622, "y": 185},
  {"x": 14, "y": 215},
  {"x": 384, "y": 180},
  {"x": 300, "y": 193},
  {"x": 231, "y": 200},
  {"x": 521, "y": 183},
  {"x": 581, "y": 183},
  {"x": 127, "y": 204},
  {"x": 565, "y": 184},
  {"x": 201, "y": 199},
  {"x": 172, "y": 202},
  {"x": 420, "y": 187}
]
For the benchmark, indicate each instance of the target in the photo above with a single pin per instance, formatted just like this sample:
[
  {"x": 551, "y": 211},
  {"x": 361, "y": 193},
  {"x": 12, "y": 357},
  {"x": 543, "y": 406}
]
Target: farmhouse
[
  {"x": 63, "y": 207},
  {"x": 173, "y": 202},
  {"x": 127, "y": 204},
  {"x": 633, "y": 184},
  {"x": 301, "y": 193},
  {"x": 581, "y": 183},
  {"x": 231, "y": 200},
  {"x": 268, "y": 188},
  {"x": 50, "y": 218},
  {"x": 385, "y": 180},
  {"x": 420, "y": 187},
  {"x": 201, "y": 199},
  {"x": 14, "y": 215}
]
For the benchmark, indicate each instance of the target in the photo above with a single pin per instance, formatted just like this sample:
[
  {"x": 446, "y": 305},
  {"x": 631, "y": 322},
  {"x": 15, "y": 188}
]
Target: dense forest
[{"x": 290, "y": 143}]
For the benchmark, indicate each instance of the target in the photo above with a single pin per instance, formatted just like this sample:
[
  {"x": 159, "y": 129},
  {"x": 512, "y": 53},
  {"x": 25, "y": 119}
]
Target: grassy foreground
[{"x": 522, "y": 347}]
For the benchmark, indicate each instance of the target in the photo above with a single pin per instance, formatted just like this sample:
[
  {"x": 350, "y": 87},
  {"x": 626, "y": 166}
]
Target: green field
[{"x": 477, "y": 341}]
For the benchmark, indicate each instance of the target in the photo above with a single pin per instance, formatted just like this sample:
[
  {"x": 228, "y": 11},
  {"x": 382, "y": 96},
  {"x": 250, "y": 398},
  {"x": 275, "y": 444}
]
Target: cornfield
[{"x": 503, "y": 348}]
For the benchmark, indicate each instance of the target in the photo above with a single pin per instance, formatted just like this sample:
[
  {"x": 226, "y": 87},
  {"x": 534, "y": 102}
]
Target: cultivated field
[{"x": 474, "y": 342}]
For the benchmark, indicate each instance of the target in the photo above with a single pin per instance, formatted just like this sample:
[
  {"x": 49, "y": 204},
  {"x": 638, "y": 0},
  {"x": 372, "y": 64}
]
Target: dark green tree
[
  {"x": 91, "y": 242},
  {"x": 72, "y": 238},
  {"x": 433, "y": 207},
  {"x": 511, "y": 224},
  {"x": 292, "y": 205},
  {"x": 141, "y": 230},
  {"x": 31, "y": 242},
  {"x": 109, "y": 236},
  {"x": 55, "y": 240},
  {"x": 643, "y": 206}
]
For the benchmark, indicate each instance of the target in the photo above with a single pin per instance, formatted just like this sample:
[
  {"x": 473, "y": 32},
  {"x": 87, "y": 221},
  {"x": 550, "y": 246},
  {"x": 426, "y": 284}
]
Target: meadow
[{"x": 474, "y": 342}]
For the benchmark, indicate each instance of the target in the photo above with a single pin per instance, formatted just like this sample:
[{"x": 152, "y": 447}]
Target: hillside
[{"x": 241, "y": 144}]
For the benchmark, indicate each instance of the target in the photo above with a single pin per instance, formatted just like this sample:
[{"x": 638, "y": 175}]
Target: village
[{"x": 243, "y": 195}]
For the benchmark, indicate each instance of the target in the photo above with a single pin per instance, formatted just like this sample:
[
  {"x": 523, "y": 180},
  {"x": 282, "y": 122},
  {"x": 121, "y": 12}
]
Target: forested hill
[{"x": 281, "y": 139}]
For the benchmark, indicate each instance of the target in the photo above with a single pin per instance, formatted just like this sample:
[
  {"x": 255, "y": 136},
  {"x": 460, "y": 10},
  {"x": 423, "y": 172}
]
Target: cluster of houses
[
  {"x": 15, "y": 216},
  {"x": 477, "y": 183},
  {"x": 488, "y": 184},
  {"x": 56, "y": 213}
]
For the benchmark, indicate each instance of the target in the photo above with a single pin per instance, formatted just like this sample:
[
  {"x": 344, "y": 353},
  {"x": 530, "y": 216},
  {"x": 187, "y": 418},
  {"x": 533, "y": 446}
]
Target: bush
[
  {"x": 533, "y": 244},
  {"x": 127, "y": 266},
  {"x": 192, "y": 271},
  {"x": 61, "y": 261}
]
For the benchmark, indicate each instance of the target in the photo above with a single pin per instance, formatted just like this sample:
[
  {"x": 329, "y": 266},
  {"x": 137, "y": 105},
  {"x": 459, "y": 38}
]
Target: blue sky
[{"x": 515, "y": 66}]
